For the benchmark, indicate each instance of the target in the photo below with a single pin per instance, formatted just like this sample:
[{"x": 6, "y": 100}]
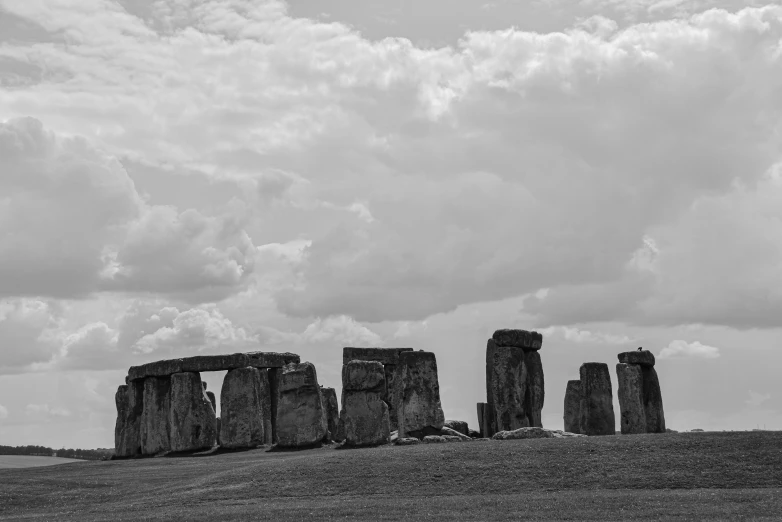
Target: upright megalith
[
  {"x": 630, "y": 388},
  {"x": 301, "y": 420},
  {"x": 507, "y": 386},
  {"x": 364, "y": 413},
  {"x": 420, "y": 412},
  {"x": 129, "y": 400},
  {"x": 572, "y": 416},
  {"x": 597, "y": 401},
  {"x": 191, "y": 416},
  {"x": 211, "y": 396},
  {"x": 331, "y": 407},
  {"x": 241, "y": 409},
  {"x": 653, "y": 401},
  {"x": 266, "y": 405},
  {"x": 155, "y": 429},
  {"x": 536, "y": 388}
]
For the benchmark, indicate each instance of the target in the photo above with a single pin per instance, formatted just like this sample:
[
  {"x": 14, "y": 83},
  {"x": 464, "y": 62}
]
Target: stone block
[
  {"x": 418, "y": 393},
  {"x": 214, "y": 363},
  {"x": 360, "y": 375},
  {"x": 653, "y": 401},
  {"x": 457, "y": 425},
  {"x": 301, "y": 421},
  {"x": 597, "y": 403},
  {"x": 129, "y": 401},
  {"x": 266, "y": 405},
  {"x": 536, "y": 388},
  {"x": 191, "y": 416},
  {"x": 630, "y": 389},
  {"x": 572, "y": 416},
  {"x": 642, "y": 357},
  {"x": 155, "y": 426},
  {"x": 331, "y": 406},
  {"x": 241, "y": 409},
  {"x": 507, "y": 386},
  {"x": 381, "y": 355},
  {"x": 518, "y": 339},
  {"x": 271, "y": 359}
]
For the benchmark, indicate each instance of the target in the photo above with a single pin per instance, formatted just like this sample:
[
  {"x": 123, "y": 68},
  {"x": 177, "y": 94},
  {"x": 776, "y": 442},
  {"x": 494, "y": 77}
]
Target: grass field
[
  {"x": 26, "y": 461},
  {"x": 686, "y": 476}
]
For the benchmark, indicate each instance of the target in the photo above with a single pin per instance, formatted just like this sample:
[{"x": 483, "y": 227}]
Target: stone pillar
[
  {"x": 241, "y": 409},
  {"x": 507, "y": 386},
  {"x": 191, "y": 416},
  {"x": 597, "y": 406},
  {"x": 630, "y": 388},
  {"x": 390, "y": 395},
  {"x": 331, "y": 406},
  {"x": 155, "y": 427},
  {"x": 212, "y": 399},
  {"x": 364, "y": 412},
  {"x": 653, "y": 401},
  {"x": 266, "y": 405},
  {"x": 301, "y": 421},
  {"x": 536, "y": 389},
  {"x": 274, "y": 394},
  {"x": 418, "y": 391},
  {"x": 129, "y": 400},
  {"x": 572, "y": 415}
]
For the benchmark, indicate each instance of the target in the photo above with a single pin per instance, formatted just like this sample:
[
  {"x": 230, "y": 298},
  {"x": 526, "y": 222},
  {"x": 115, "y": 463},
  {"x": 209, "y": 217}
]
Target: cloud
[
  {"x": 340, "y": 329},
  {"x": 682, "y": 349},
  {"x": 578, "y": 335},
  {"x": 45, "y": 412},
  {"x": 29, "y": 330},
  {"x": 3, "y": 412},
  {"x": 757, "y": 399}
]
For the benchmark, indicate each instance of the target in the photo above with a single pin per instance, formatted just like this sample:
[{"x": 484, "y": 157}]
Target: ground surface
[
  {"x": 687, "y": 476},
  {"x": 27, "y": 461}
]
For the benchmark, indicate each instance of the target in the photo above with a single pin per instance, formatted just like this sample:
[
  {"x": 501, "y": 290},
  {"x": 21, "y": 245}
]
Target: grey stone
[
  {"x": 457, "y": 425},
  {"x": 418, "y": 392},
  {"x": 274, "y": 387},
  {"x": 156, "y": 369},
  {"x": 474, "y": 434},
  {"x": 455, "y": 438},
  {"x": 381, "y": 355},
  {"x": 453, "y": 433},
  {"x": 536, "y": 388},
  {"x": 653, "y": 401},
  {"x": 191, "y": 416},
  {"x": 642, "y": 357},
  {"x": 266, "y": 405},
  {"x": 434, "y": 439},
  {"x": 271, "y": 359},
  {"x": 212, "y": 399},
  {"x": 391, "y": 395},
  {"x": 241, "y": 409},
  {"x": 518, "y": 339},
  {"x": 209, "y": 363},
  {"x": 155, "y": 428},
  {"x": 331, "y": 406},
  {"x": 630, "y": 389},
  {"x": 301, "y": 421},
  {"x": 364, "y": 413},
  {"x": 358, "y": 375},
  {"x": 129, "y": 400},
  {"x": 506, "y": 386},
  {"x": 214, "y": 363},
  {"x": 572, "y": 415},
  {"x": 597, "y": 406},
  {"x": 407, "y": 441},
  {"x": 524, "y": 433}
]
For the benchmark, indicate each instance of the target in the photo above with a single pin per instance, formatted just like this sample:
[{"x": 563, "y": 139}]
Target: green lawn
[
  {"x": 687, "y": 476},
  {"x": 26, "y": 461}
]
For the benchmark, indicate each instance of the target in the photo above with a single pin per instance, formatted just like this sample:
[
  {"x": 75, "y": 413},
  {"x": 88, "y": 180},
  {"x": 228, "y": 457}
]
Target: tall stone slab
[
  {"x": 536, "y": 388},
  {"x": 390, "y": 395},
  {"x": 653, "y": 401},
  {"x": 420, "y": 412},
  {"x": 331, "y": 406},
  {"x": 572, "y": 416},
  {"x": 191, "y": 417},
  {"x": 364, "y": 412},
  {"x": 129, "y": 400},
  {"x": 597, "y": 402},
  {"x": 506, "y": 381},
  {"x": 155, "y": 427},
  {"x": 630, "y": 388},
  {"x": 211, "y": 396},
  {"x": 301, "y": 420},
  {"x": 241, "y": 409},
  {"x": 274, "y": 391},
  {"x": 266, "y": 405}
]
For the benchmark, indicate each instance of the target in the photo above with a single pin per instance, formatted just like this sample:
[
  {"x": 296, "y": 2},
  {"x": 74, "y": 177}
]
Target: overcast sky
[{"x": 182, "y": 177}]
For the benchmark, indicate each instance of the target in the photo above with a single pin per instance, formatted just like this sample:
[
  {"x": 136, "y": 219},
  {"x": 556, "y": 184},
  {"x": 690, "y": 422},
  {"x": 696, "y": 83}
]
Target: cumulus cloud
[
  {"x": 578, "y": 335},
  {"x": 340, "y": 329},
  {"x": 3, "y": 412},
  {"x": 682, "y": 349},
  {"x": 29, "y": 333}
]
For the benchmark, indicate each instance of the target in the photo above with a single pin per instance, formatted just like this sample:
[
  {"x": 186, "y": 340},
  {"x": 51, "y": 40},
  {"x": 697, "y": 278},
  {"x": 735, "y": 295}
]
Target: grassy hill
[
  {"x": 687, "y": 476},
  {"x": 27, "y": 461}
]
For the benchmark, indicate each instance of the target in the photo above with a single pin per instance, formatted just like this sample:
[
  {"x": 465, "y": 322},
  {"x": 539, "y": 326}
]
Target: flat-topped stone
[
  {"x": 360, "y": 375},
  {"x": 271, "y": 359},
  {"x": 211, "y": 363},
  {"x": 518, "y": 339},
  {"x": 156, "y": 369},
  {"x": 642, "y": 357},
  {"x": 214, "y": 363},
  {"x": 381, "y": 355}
]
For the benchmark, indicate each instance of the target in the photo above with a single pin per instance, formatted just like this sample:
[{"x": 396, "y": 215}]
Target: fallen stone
[
  {"x": 518, "y": 339},
  {"x": 572, "y": 416},
  {"x": 381, "y": 355},
  {"x": 630, "y": 388},
  {"x": 212, "y": 399},
  {"x": 457, "y": 425},
  {"x": 506, "y": 386},
  {"x": 474, "y": 434},
  {"x": 191, "y": 417},
  {"x": 129, "y": 400},
  {"x": 597, "y": 405},
  {"x": 271, "y": 359},
  {"x": 155, "y": 427},
  {"x": 524, "y": 433},
  {"x": 214, "y": 363},
  {"x": 536, "y": 388},
  {"x": 434, "y": 439},
  {"x": 331, "y": 407},
  {"x": 301, "y": 421},
  {"x": 394, "y": 436},
  {"x": 364, "y": 413},
  {"x": 241, "y": 409},
  {"x": 642, "y": 357},
  {"x": 653, "y": 401},
  {"x": 407, "y": 441},
  {"x": 453, "y": 433},
  {"x": 454, "y": 438},
  {"x": 418, "y": 393}
]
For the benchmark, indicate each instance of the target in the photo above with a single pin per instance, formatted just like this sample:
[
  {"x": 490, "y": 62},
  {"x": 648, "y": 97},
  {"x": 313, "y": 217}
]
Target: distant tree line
[{"x": 43, "y": 451}]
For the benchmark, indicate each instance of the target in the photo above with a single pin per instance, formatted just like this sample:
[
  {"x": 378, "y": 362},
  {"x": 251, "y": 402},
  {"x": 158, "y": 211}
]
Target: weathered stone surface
[
  {"x": 455, "y": 438},
  {"x": 266, "y": 405},
  {"x": 129, "y": 400},
  {"x": 300, "y": 418},
  {"x": 457, "y": 425},
  {"x": 155, "y": 427},
  {"x": 155, "y": 369},
  {"x": 241, "y": 409},
  {"x": 653, "y": 401},
  {"x": 572, "y": 416},
  {"x": 271, "y": 359},
  {"x": 407, "y": 441},
  {"x": 489, "y": 421},
  {"x": 434, "y": 439},
  {"x": 481, "y": 415},
  {"x": 518, "y": 339},
  {"x": 536, "y": 388},
  {"x": 506, "y": 381},
  {"x": 418, "y": 392},
  {"x": 274, "y": 389},
  {"x": 394, "y": 436},
  {"x": 642, "y": 357},
  {"x": 191, "y": 417},
  {"x": 446, "y": 431},
  {"x": 360, "y": 375},
  {"x": 364, "y": 413},
  {"x": 214, "y": 363},
  {"x": 630, "y": 388},
  {"x": 597, "y": 407},
  {"x": 331, "y": 406},
  {"x": 212, "y": 399},
  {"x": 524, "y": 433},
  {"x": 391, "y": 395},
  {"x": 381, "y": 355},
  {"x": 474, "y": 434}
]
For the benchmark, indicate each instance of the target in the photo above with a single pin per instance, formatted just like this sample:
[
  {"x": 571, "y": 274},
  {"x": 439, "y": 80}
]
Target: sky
[{"x": 182, "y": 177}]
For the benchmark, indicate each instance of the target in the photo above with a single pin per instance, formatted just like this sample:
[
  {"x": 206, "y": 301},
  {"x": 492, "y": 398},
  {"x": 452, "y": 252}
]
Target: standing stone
[
  {"x": 457, "y": 425},
  {"x": 518, "y": 339},
  {"x": 630, "y": 388},
  {"x": 212, "y": 399},
  {"x": 129, "y": 400},
  {"x": 241, "y": 409},
  {"x": 300, "y": 418},
  {"x": 191, "y": 417},
  {"x": 653, "y": 401},
  {"x": 274, "y": 393},
  {"x": 155, "y": 427},
  {"x": 266, "y": 406},
  {"x": 331, "y": 407},
  {"x": 418, "y": 391},
  {"x": 642, "y": 357},
  {"x": 572, "y": 415},
  {"x": 390, "y": 395},
  {"x": 535, "y": 393},
  {"x": 597, "y": 402},
  {"x": 506, "y": 380},
  {"x": 364, "y": 413}
]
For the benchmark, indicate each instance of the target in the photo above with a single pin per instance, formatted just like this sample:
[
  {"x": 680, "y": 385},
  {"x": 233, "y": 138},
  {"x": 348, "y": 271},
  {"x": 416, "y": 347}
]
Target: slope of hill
[
  {"x": 28, "y": 461},
  {"x": 684, "y": 476}
]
